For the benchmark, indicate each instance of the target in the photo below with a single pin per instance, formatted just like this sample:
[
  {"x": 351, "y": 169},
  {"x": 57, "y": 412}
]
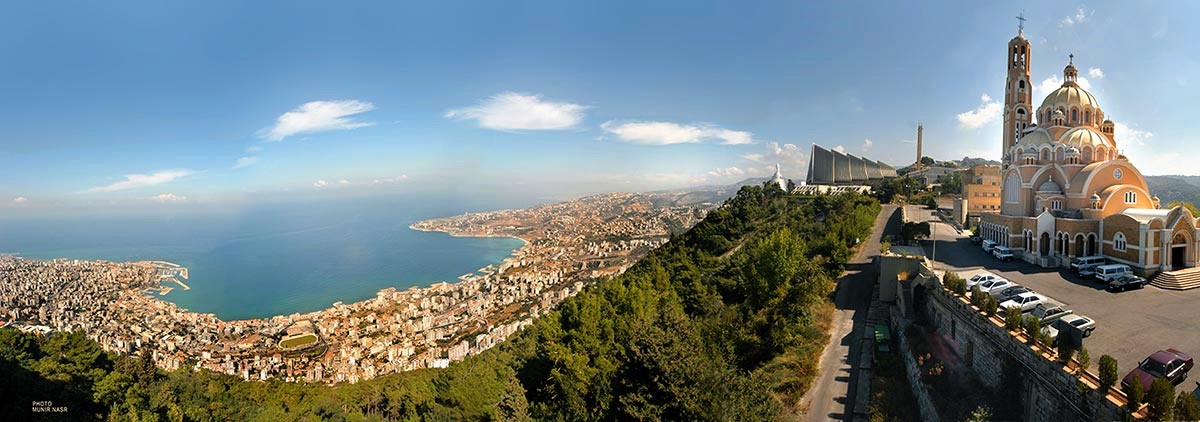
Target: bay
[{"x": 276, "y": 259}]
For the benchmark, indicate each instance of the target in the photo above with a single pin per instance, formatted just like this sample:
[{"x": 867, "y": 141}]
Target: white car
[
  {"x": 981, "y": 278},
  {"x": 1080, "y": 322},
  {"x": 995, "y": 285},
  {"x": 1024, "y": 301}
]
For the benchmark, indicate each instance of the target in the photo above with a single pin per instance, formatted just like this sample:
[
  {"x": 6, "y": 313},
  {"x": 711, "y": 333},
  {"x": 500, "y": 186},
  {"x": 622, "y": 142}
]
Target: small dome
[
  {"x": 1035, "y": 138},
  {"x": 1072, "y": 151},
  {"x": 1083, "y": 136},
  {"x": 1070, "y": 95},
  {"x": 1049, "y": 187},
  {"x": 1095, "y": 197}
]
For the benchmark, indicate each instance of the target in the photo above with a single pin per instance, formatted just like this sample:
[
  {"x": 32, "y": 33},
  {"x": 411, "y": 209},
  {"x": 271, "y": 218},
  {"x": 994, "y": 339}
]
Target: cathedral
[{"x": 1067, "y": 191}]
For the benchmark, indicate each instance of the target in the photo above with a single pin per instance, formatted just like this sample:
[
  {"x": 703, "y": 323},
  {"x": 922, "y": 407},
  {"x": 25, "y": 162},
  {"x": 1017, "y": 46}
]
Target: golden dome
[
  {"x": 1084, "y": 136},
  {"x": 1070, "y": 95},
  {"x": 1035, "y": 137}
]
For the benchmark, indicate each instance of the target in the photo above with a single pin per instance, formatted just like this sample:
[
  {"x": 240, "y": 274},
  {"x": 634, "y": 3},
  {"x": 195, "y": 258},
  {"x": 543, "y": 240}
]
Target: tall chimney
[{"x": 920, "y": 129}]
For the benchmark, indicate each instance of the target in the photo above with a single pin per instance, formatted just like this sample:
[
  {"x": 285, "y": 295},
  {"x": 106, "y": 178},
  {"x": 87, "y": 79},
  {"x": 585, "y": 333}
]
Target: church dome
[
  {"x": 1049, "y": 187},
  {"x": 1084, "y": 137},
  {"x": 1070, "y": 95},
  {"x": 1035, "y": 138}
]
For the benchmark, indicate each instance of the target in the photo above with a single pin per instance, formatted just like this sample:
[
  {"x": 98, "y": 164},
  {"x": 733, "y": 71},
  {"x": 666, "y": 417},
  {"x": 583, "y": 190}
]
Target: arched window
[
  {"x": 1119, "y": 243},
  {"x": 1046, "y": 155},
  {"x": 1131, "y": 197},
  {"x": 1059, "y": 154},
  {"x": 1056, "y": 204},
  {"x": 1087, "y": 153},
  {"x": 1012, "y": 189},
  {"x": 1101, "y": 153},
  {"x": 1074, "y": 116},
  {"x": 1087, "y": 116},
  {"x": 1022, "y": 84}
]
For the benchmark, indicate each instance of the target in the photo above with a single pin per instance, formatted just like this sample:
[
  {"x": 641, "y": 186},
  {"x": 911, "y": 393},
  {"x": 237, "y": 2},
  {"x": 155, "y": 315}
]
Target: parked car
[
  {"x": 1049, "y": 311},
  {"x": 981, "y": 278},
  {"x": 1079, "y": 322},
  {"x": 976, "y": 240},
  {"x": 1024, "y": 301},
  {"x": 1002, "y": 253},
  {"x": 1170, "y": 364},
  {"x": 1107, "y": 273},
  {"x": 1126, "y": 282},
  {"x": 995, "y": 285},
  {"x": 1009, "y": 293},
  {"x": 1052, "y": 333},
  {"x": 987, "y": 245},
  {"x": 1078, "y": 264}
]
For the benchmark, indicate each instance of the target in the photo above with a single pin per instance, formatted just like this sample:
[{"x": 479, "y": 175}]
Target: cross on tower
[
  {"x": 1021, "y": 24},
  {"x": 1071, "y": 58}
]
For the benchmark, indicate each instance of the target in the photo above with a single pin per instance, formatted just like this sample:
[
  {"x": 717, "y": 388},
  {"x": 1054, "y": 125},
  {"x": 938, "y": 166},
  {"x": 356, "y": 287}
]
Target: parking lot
[{"x": 1130, "y": 325}]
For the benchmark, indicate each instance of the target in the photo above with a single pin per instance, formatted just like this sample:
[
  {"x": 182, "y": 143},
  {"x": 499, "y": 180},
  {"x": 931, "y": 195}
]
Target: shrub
[
  {"x": 1012, "y": 318},
  {"x": 1134, "y": 393},
  {"x": 884, "y": 247},
  {"x": 1108, "y": 372},
  {"x": 1161, "y": 399},
  {"x": 1065, "y": 351},
  {"x": 1084, "y": 359},
  {"x": 955, "y": 283},
  {"x": 1187, "y": 408},
  {"x": 980, "y": 414},
  {"x": 976, "y": 296},
  {"x": 1033, "y": 329},
  {"x": 990, "y": 304}
]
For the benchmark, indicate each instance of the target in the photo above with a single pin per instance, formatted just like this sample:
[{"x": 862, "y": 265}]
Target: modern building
[
  {"x": 1066, "y": 191},
  {"x": 980, "y": 191},
  {"x": 835, "y": 168},
  {"x": 931, "y": 175}
]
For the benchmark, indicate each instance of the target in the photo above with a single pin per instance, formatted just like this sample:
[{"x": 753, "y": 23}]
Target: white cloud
[
  {"x": 320, "y": 184},
  {"x": 517, "y": 111},
  {"x": 866, "y": 146},
  {"x": 1096, "y": 73},
  {"x": 20, "y": 200},
  {"x": 165, "y": 198},
  {"x": 245, "y": 162},
  {"x": 728, "y": 171},
  {"x": 840, "y": 149},
  {"x": 667, "y": 133},
  {"x": 318, "y": 116},
  {"x": 753, "y": 157},
  {"x": 134, "y": 181},
  {"x": 1053, "y": 82},
  {"x": 987, "y": 112},
  {"x": 343, "y": 182},
  {"x": 384, "y": 180},
  {"x": 1127, "y": 136},
  {"x": 1079, "y": 16},
  {"x": 253, "y": 149}
]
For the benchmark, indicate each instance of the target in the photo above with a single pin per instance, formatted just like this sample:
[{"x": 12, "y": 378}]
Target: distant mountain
[
  {"x": 1175, "y": 188},
  {"x": 714, "y": 194},
  {"x": 968, "y": 162}
]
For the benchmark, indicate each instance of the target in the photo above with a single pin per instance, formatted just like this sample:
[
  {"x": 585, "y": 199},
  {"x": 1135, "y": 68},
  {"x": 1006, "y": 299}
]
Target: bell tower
[{"x": 1018, "y": 110}]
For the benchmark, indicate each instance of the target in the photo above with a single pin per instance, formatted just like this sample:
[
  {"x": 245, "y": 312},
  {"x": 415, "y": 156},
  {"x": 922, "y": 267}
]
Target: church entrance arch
[
  {"x": 1179, "y": 251},
  {"x": 1092, "y": 248},
  {"x": 1079, "y": 245},
  {"x": 1044, "y": 244}
]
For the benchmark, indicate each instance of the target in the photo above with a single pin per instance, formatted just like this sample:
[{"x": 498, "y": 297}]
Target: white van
[
  {"x": 1081, "y": 263},
  {"x": 988, "y": 245},
  {"x": 1108, "y": 273}
]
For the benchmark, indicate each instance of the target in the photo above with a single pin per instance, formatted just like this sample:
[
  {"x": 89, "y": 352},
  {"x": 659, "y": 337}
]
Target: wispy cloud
[
  {"x": 318, "y": 116},
  {"x": 1096, "y": 73},
  {"x": 245, "y": 162},
  {"x": 20, "y": 200},
  {"x": 728, "y": 171},
  {"x": 866, "y": 146},
  {"x": 987, "y": 112},
  {"x": 840, "y": 149},
  {"x": 166, "y": 198},
  {"x": 518, "y": 111},
  {"x": 320, "y": 183},
  {"x": 667, "y": 133},
  {"x": 1053, "y": 82},
  {"x": 134, "y": 181},
  {"x": 365, "y": 182},
  {"x": 253, "y": 149},
  {"x": 1080, "y": 16}
]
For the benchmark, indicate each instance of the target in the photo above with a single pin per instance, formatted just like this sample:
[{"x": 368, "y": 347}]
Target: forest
[{"x": 724, "y": 322}]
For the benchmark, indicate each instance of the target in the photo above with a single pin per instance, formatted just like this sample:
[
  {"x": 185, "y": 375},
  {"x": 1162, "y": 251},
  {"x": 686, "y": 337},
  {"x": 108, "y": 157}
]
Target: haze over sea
[{"x": 277, "y": 259}]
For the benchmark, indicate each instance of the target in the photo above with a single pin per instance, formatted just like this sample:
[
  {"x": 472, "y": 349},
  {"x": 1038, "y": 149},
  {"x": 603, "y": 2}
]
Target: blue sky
[{"x": 121, "y": 104}]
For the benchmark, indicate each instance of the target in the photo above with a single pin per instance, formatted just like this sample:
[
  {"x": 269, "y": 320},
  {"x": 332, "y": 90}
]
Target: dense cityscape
[{"x": 567, "y": 245}]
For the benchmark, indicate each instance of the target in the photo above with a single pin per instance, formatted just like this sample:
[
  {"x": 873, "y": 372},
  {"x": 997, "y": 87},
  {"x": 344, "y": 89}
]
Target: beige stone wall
[{"x": 1126, "y": 225}]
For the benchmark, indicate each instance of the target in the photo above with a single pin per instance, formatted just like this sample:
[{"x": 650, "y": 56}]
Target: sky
[{"x": 119, "y": 104}]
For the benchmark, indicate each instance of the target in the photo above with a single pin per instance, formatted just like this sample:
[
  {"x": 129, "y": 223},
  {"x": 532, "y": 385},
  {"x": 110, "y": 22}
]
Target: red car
[{"x": 1170, "y": 364}]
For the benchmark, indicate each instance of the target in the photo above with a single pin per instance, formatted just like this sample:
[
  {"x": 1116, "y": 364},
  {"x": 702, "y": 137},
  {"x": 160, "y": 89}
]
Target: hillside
[
  {"x": 691, "y": 332},
  {"x": 1175, "y": 188}
]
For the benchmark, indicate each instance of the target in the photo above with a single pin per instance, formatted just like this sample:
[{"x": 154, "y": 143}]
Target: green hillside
[{"x": 724, "y": 322}]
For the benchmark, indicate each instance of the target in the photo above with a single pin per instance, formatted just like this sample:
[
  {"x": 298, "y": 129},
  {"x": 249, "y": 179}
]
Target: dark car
[
  {"x": 1126, "y": 282},
  {"x": 1009, "y": 293},
  {"x": 976, "y": 239},
  {"x": 1170, "y": 364}
]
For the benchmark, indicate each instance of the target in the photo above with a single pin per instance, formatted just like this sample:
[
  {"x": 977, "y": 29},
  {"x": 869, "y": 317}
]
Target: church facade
[{"x": 1066, "y": 190}]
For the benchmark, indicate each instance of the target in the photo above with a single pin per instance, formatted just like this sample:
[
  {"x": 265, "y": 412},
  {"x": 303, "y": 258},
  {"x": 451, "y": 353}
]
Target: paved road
[
  {"x": 1130, "y": 325},
  {"x": 827, "y": 398}
]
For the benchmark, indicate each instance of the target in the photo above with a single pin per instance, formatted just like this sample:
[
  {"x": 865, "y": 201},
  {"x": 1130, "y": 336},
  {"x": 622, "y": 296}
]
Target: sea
[{"x": 258, "y": 261}]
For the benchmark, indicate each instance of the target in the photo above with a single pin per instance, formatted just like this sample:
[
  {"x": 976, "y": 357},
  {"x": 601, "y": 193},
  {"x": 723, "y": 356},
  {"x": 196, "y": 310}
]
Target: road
[
  {"x": 827, "y": 398},
  {"x": 1129, "y": 325}
]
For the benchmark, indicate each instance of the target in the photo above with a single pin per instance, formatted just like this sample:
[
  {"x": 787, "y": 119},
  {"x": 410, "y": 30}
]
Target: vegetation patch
[{"x": 292, "y": 342}]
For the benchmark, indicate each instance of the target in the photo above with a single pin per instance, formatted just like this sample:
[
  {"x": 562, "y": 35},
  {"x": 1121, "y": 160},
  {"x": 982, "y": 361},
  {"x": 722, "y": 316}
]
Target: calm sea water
[{"x": 277, "y": 259}]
